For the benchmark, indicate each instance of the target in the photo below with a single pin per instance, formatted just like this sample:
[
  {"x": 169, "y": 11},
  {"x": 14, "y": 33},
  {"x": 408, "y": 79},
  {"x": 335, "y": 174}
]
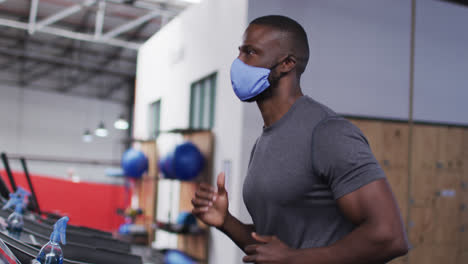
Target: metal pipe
[
  {"x": 63, "y": 61},
  {"x": 54, "y": 159},
  {"x": 59, "y": 45},
  {"x": 132, "y": 24},
  {"x": 63, "y": 14},
  {"x": 4, "y": 189},
  {"x": 33, "y": 16},
  {"x": 72, "y": 35},
  {"x": 6, "y": 164},
  {"x": 100, "y": 19},
  {"x": 410, "y": 119},
  {"x": 33, "y": 193}
]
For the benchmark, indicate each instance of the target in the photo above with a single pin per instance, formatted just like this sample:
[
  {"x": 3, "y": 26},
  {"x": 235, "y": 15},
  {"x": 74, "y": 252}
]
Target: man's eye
[{"x": 250, "y": 51}]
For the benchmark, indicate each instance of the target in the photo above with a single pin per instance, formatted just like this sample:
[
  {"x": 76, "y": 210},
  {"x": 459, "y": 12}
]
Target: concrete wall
[
  {"x": 202, "y": 40},
  {"x": 49, "y": 124}
]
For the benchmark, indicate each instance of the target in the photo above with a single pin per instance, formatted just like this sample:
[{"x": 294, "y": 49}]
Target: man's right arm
[
  {"x": 211, "y": 207},
  {"x": 239, "y": 232}
]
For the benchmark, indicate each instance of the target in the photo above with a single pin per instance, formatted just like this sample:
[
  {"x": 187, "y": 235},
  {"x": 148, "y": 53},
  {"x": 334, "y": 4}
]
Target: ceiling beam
[
  {"x": 72, "y": 35},
  {"x": 63, "y": 61},
  {"x": 91, "y": 75},
  {"x": 100, "y": 15},
  {"x": 61, "y": 15},
  {"x": 62, "y": 45},
  {"x": 33, "y": 15},
  {"x": 132, "y": 24},
  {"x": 71, "y": 48}
]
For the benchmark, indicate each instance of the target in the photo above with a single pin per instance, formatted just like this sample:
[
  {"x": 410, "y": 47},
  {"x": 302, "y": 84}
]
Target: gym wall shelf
[{"x": 194, "y": 243}]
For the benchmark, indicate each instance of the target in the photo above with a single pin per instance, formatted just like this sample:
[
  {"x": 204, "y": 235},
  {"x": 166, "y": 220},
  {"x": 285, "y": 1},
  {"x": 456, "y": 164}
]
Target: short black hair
[{"x": 299, "y": 44}]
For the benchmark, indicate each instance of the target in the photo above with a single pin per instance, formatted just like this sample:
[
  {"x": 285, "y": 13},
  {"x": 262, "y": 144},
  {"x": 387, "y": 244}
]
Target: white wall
[
  {"x": 49, "y": 124},
  {"x": 441, "y": 62},
  {"x": 202, "y": 40}
]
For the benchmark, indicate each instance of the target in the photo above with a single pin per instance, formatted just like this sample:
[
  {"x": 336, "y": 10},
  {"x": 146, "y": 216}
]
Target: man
[{"x": 314, "y": 190}]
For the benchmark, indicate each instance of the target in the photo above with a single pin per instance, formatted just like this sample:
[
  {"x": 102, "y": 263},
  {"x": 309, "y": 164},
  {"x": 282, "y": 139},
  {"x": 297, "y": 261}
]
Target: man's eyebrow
[
  {"x": 249, "y": 46},
  {"x": 245, "y": 46}
]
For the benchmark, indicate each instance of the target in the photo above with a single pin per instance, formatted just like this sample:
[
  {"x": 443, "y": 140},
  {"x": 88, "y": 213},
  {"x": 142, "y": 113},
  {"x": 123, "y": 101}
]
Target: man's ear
[{"x": 288, "y": 64}]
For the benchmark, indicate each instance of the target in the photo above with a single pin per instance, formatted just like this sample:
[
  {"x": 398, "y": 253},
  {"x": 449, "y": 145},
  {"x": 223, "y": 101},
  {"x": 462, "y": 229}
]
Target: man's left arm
[{"x": 378, "y": 237}]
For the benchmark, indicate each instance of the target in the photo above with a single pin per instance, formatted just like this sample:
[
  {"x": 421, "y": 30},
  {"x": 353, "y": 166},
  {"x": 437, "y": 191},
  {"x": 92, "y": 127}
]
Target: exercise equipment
[
  {"x": 34, "y": 204},
  {"x": 186, "y": 223},
  {"x": 177, "y": 257},
  {"x": 165, "y": 165},
  {"x": 4, "y": 192},
  {"x": 186, "y": 219},
  {"x": 6, "y": 164},
  {"x": 134, "y": 163},
  {"x": 187, "y": 162}
]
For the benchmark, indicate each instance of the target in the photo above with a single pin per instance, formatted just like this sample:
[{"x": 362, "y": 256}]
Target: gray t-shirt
[{"x": 299, "y": 167}]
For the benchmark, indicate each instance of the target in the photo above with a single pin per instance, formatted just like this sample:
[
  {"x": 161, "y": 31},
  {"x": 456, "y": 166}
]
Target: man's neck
[{"x": 275, "y": 107}]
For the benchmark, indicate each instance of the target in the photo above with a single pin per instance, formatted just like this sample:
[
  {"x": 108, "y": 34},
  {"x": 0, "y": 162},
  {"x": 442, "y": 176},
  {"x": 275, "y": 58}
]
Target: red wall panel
[{"x": 87, "y": 204}]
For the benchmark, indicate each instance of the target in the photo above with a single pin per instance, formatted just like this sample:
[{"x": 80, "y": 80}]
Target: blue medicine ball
[
  {"x": 187, "y": 162},
  {"x": 165, "y": 165},
  {"x": 177, "y": 257},
  {"x": 186, "y": 219},
  {"x": 134, "y": 163}
]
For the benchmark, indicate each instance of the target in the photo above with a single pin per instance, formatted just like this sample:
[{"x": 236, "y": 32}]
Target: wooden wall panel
[
  {"x": 424, "y": 162},
  {"x": 462, "y": 163},
  {"x": 464, "y": 158},
  {"x": 389, "y": 143},
  {"x": 395, "y": 146},
  {"x": 422, "y": 225},
  {"x": 447, "y": 184},
  {"x": 197, "y": 245},
  {"x": 148, "y": 188},
  {"x": 373, "y": 131},
  {"x": 430, "y": 254},
  {"x": 420, "y": 255},
  {"x": 193, "y": 245},
  {"x": 395, "y": 161},
  {"x": 438, "y": 227}
]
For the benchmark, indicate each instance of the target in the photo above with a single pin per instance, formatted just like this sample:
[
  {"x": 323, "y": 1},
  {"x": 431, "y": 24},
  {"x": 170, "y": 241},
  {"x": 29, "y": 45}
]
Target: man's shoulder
[{"x": 318, "y": 108}]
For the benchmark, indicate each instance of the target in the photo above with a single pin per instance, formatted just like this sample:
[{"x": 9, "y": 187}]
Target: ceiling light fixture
[
  {"x": 101, "y": 131},
  {"x": 87, "y": 136},
  {"x": 121, "y": 123}
]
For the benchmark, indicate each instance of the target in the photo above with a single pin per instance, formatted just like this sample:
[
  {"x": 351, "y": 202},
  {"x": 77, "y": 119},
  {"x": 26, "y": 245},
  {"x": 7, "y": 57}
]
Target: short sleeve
[
  {"x": 252, "y": 152},
  {"x": 342, "y": 156}
]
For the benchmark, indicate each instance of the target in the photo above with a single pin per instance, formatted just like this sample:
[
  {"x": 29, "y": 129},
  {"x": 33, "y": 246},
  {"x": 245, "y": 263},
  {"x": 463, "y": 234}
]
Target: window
[
  {"x": 154, "y": 119},
  {"x": 202, "y": 103}
]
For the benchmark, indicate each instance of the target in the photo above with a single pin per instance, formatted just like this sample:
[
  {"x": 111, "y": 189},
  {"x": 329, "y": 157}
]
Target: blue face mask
[{"x": 248, "y": 81}]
